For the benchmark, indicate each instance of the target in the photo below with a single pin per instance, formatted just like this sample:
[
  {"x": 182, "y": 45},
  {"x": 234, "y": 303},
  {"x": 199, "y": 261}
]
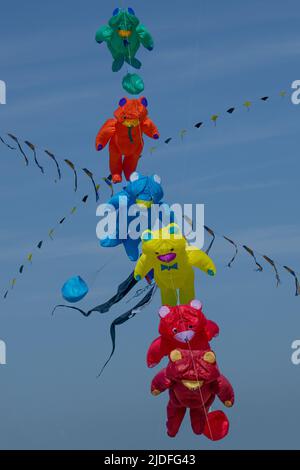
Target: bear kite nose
[{"x": 184, "y": 336}]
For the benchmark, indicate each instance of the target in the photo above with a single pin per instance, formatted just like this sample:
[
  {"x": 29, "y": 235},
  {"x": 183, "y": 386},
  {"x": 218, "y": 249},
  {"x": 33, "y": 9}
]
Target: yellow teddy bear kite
[{"x": 166, "y": 252}]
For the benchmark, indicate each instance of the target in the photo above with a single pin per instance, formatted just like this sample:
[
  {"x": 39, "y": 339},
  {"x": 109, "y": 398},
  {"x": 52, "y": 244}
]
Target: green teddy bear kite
[{"x": 123, "y": 36}]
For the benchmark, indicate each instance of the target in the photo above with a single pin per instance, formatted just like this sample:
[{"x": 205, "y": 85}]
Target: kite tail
[
  {"x": 123, "y": 289},
  {"x": 124, "y": 318}
]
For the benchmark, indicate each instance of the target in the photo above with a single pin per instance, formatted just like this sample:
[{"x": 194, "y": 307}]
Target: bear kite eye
[
  {"x": 174, "y": 330},
  {"x": 190, "y": 327},
  {"x": 172, "y": 249},
  {"x": 157, "y": 252}
]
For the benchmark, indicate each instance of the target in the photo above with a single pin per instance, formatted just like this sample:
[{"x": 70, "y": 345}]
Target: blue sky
[{"x": 208, "y": 56}]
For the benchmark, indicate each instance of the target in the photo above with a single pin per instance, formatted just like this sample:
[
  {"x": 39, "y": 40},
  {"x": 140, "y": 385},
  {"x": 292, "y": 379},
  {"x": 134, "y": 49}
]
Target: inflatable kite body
[
  {"x": 143, "y": 191},
  {"x": 167, "y": 252},
  {"x": 125, "y": 136},
  {"x": 193, "y": 380},
  {"x": 74, "y": 289},
  {"x": 124, "y": 34},
  {"x": 184, "y": 327}
]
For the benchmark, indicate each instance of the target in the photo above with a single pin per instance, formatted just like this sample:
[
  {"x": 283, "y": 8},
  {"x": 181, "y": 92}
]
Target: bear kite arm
[
  {"x": 160, "y": 383},
  {"x": 143, "y": 266},
  {"x": 211, "y": 329},
  {"x": 155, "y": 352},
  {"x": 149, "y": 128},
  {"x": 104, "y": 34},
  {"x": 200, "y": 260},
  {"x": 145, "y": 37},
  {"x": 225, "y": 391},
  {"x": 105, "y": 133}
]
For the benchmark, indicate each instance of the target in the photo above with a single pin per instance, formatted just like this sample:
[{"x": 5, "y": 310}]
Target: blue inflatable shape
[{"x": 74, "y": 289}]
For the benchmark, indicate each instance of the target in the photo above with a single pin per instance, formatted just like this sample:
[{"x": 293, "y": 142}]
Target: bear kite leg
[
  {"x": 186, "y": 294},
  {"x": 168, "y": 296},
  {"x": 175, "y": 416},
  {"x": 197, "y": 416},
  {"x": 130, "y": 163},
  {"x": 115, "y": 162}
]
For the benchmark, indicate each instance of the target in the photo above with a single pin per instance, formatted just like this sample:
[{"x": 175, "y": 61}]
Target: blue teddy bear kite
[{"x": 143, "y": 191}]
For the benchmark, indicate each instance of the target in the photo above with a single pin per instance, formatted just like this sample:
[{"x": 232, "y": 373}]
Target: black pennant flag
[
  {"x": 297, "y": 285},
  {"x": 251, "y": 253},
  {"x": 32, "y": 147},
  {"x": 271, "y": 262},
  {"x": 13, "y": 137},
  {"x": 52, "y": 156},
  {"x": 236, "y": 250},
  {"x": 91, "y": 176},
  {"x": 7, "y": 145},
  {"x": 72, "y": 166},
  {"x": 212, "y": 234}
]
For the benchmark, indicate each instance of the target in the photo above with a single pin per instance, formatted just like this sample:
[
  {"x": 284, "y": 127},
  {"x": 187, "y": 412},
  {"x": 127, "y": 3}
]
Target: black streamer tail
[
  {"x": 124, "y": 318},
  {"x": 123, "y": 289}
]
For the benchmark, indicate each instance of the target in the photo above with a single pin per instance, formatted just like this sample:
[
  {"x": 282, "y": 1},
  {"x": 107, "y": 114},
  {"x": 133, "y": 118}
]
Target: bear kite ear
[
  {"x": 131, "y": 11},
  {"x": 122, "y": 102},
  {"x": 147, "y": 235},
  {"x": 164, "y": 311},
  {"x": 173, "y": 229},
  {"x": 144, "y": 101},
  {"x": 175, "y": 355},
  {"x": 116, "y": 11},
  {"x": 157, "y": 179},
  {"x": 134, "y": 176},
  {"x": 196, "y": 304}
]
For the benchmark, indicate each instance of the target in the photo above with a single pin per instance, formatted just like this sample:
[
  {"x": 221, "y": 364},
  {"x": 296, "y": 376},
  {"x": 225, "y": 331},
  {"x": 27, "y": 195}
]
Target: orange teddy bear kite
[{"x": 125, "y": 136}]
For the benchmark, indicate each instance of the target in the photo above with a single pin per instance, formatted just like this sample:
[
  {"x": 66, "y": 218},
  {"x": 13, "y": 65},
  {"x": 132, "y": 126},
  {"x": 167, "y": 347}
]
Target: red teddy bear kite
[
  {"x": 125, "y": 136},
  {"x": 194, "y": 380},
  {"x": 183, "y": 326}
]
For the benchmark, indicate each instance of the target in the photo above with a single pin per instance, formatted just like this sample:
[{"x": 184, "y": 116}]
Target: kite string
[
  {"x": 130, "y": 61},
  {"x": 193, "y": 363}
]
